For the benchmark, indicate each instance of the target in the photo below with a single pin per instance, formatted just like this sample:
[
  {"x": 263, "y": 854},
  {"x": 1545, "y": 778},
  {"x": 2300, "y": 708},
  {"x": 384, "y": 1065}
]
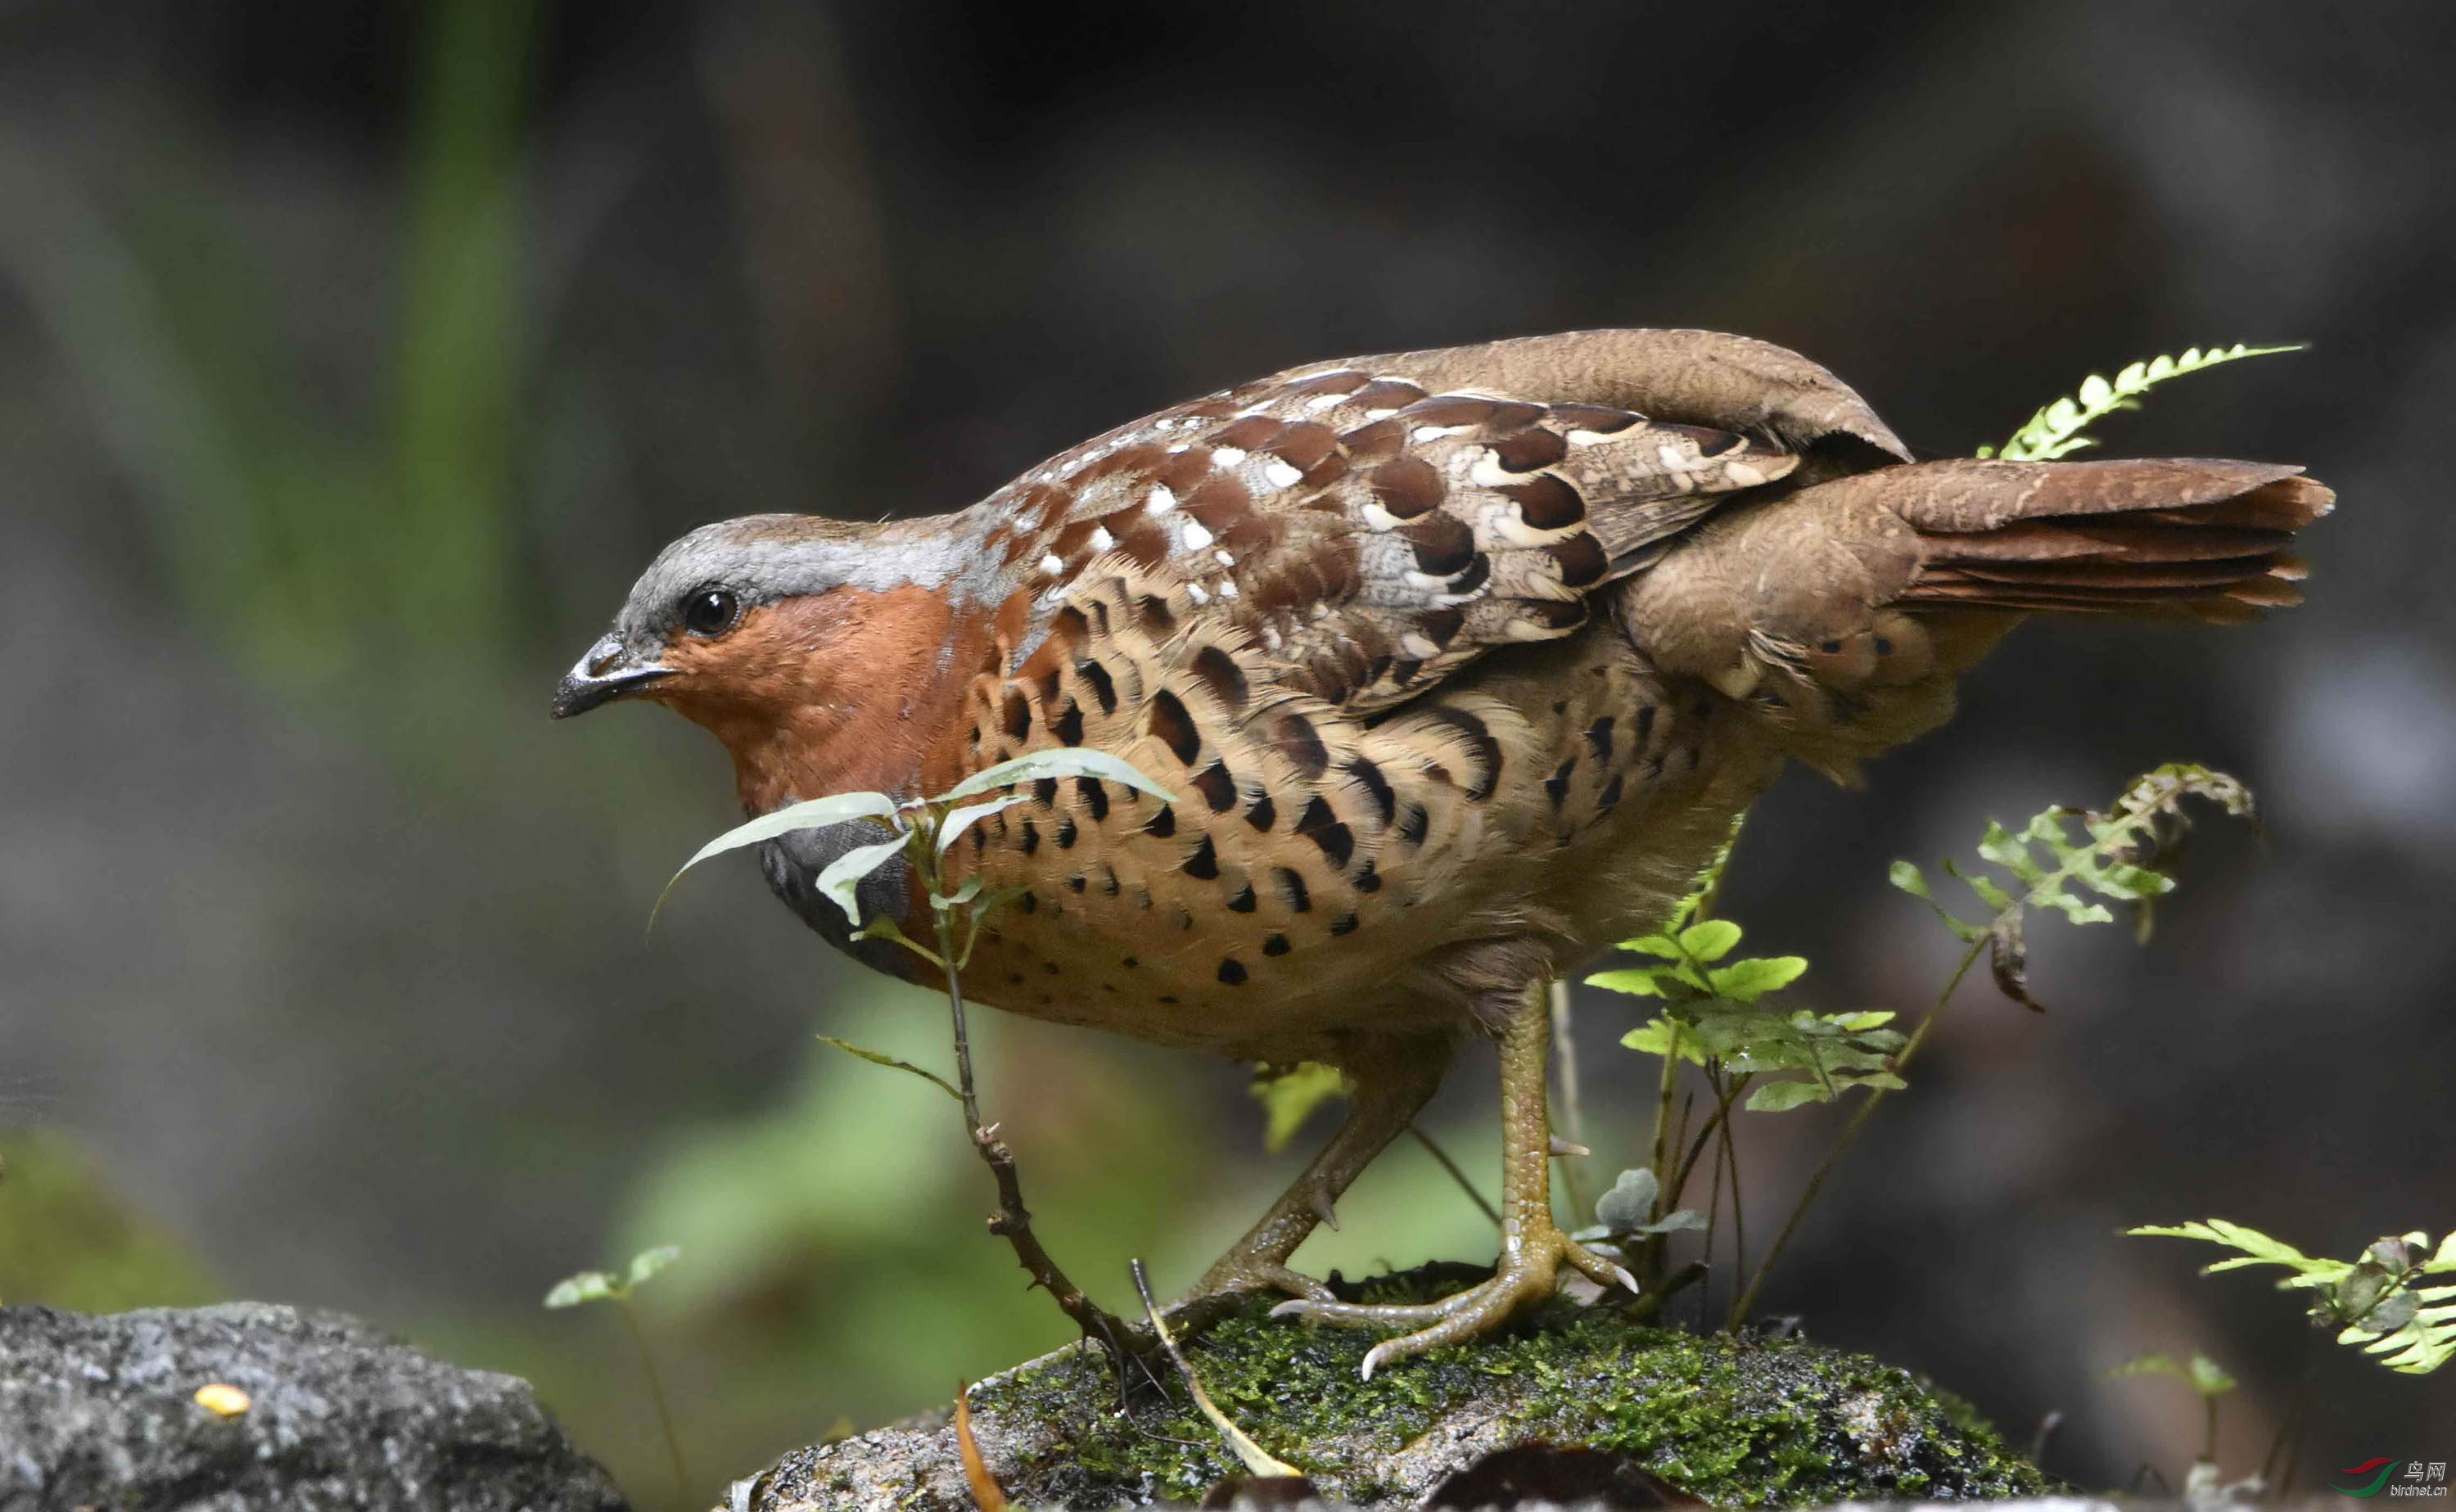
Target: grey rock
[{"x": 101, "y": 1412}]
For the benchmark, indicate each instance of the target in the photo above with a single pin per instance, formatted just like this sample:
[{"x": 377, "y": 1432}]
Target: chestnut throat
[{"x": 836, "y": 692}]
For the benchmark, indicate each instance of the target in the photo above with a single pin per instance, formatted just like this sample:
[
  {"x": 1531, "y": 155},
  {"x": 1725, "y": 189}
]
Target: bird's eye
[{"x": 710, "y": 611}]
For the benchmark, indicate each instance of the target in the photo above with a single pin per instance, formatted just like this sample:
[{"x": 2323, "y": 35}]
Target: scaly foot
[
  {"x": 1524, "y": 1279},
  {"x": 1237, "y": 1275}
]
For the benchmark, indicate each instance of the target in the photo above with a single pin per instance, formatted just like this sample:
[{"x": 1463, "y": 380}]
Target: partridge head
[{"x": 1458, "y": 664}]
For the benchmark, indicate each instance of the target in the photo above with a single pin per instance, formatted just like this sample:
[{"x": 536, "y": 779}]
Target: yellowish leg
[
  {"x": 1390, "y": 1087},
  {"x": 1532, "y": 1247}
]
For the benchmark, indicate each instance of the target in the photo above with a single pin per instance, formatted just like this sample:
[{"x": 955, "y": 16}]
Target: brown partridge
[{"x": 1457, "y": 662}]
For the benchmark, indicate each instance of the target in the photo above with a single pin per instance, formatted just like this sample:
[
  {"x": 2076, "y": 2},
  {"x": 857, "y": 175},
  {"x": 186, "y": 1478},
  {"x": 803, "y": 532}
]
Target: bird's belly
[{"x": 1266, "y": 912}]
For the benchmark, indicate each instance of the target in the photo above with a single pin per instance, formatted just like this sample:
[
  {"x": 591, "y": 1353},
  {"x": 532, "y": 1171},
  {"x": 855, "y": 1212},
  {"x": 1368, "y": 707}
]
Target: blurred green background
[{"x": 354, "y": 357}]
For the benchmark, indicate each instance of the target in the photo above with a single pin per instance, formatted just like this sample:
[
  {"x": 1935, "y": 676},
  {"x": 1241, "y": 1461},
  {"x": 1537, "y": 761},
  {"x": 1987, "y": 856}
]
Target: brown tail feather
[
  {"x": 2160, "y": 538},
  {"x": 1836, "y": 598}
]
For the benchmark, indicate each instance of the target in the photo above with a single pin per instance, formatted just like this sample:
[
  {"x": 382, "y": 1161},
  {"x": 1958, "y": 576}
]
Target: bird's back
[{"x": 1454, "y": 653}]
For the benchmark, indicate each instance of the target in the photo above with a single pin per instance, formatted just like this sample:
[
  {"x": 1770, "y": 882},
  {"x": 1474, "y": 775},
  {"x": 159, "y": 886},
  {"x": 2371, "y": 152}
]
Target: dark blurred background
[{"x": 354, "y": 358}]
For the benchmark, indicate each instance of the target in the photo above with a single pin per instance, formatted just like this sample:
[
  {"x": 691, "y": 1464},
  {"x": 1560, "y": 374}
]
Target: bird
[{"x": 1455, "y": 667}]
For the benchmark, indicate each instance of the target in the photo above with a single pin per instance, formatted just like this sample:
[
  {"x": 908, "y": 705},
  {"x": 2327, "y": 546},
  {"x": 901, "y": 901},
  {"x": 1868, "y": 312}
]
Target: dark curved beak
[{"x": 608, "y": 671}]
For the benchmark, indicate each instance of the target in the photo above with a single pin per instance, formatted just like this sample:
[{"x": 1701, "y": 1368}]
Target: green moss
[{"x": 1738, "y": 1421}]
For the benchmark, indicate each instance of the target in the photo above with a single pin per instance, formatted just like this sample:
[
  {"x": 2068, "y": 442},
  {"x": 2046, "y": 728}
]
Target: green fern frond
[
  {"x": 2375, "y": 1301},
  {"x": 2056, "y": 430}
]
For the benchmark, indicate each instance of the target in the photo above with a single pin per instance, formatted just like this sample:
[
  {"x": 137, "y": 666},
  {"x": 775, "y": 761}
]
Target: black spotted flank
[
  {"x": 1218, "y": 671},
  {"x": 1368, "y": 880},
  {"x": 1599, "y": 735},
  {"x": 1369, "y": 777},
  {"x": 1162, "y": 824},
  {"x": 1415, "y": 823},
  {"x": 1610, "y": 798},
  {"x": 1557, "y": 786},
  {"x": 1217, "y": 788},
  {"x": 1031, "y": 837},
  {"x": 1301, "y": 744},
  {"x": 1243, "y": 901},
  {"x": 1175, "y": 726},
  {"x": 1344, "y": 924},
  {"x": 1645, "y": 724},
  {"x": 1232, "y": 972},
  {"x": 1068, "y": 726},
  {"x": 1262, "y": 813},
  {"x": 1015, "y": 717},
  {"x": 1104, "y": 687},
  {"x": 1204, "y": 863},
  {"x": 1276, "y": 944},
  {"x": 1292, "y": 891},
  {"x": 1487, "y": 749},
  {"x": 1078, "y": 882},
  {"x": 1094, "y": 796},
  {"x": 1318, "y": 825},
  {"x": 1066, "y": 834},
  {"x": 1044, "y": 792}
]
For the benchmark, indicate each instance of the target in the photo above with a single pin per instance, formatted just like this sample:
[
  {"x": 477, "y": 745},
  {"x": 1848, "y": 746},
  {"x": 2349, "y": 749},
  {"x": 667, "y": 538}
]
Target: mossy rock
[{"x": 1738, "y": 1421}]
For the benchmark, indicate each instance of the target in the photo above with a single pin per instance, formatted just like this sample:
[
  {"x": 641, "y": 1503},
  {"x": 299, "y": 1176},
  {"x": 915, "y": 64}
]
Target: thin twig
[
  {"x": 1012, "y": 1221},
  {"x": 656, "y": 1395},
  {"x": 1572, "y": 1101},
  {"x": 1730, "y": 1099},
  {"x": 1849, "y": 1132},
  {"x": 1655, "y": 1244},
  {"x": 1730, "y": 1159},
  {"x": 1713, "y": 1223},
  {"x": 1257, "y": 1459},
  {"x": 1491, "y": 1214}
]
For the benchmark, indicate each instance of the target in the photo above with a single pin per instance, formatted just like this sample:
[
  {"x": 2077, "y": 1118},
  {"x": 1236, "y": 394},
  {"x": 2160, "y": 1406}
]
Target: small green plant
[
  {"x": 1721, "y": 1014},
  {"x": 604, "y": 1286},
  {"x": 2056, "y": 430},
  {"x": 920, "y": 830},
  {"x": 1717, "y": 1015},
  {"x": 2049, "y": 868},
  {"x": 2375, "y": 1301}
]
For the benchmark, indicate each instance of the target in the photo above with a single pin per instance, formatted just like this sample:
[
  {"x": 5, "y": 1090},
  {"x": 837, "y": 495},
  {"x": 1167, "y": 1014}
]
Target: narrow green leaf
[
  {"x": 877, "y": 1059},
  {"x": 1911, "y": 880},
  {"x": 959, "y": 820},
  {"x": 1636, "y": 981},
  {"x": 818, "y": 814},
  {"x": 842, "y": 875},
  {"x": 1071, "y": 760},
  {"x": 2259, "y": 1247}
]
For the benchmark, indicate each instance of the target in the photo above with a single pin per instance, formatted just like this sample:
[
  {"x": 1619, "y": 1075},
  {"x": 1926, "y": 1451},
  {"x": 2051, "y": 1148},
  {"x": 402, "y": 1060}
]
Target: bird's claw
[{"x": 1525, "y": 1278}]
